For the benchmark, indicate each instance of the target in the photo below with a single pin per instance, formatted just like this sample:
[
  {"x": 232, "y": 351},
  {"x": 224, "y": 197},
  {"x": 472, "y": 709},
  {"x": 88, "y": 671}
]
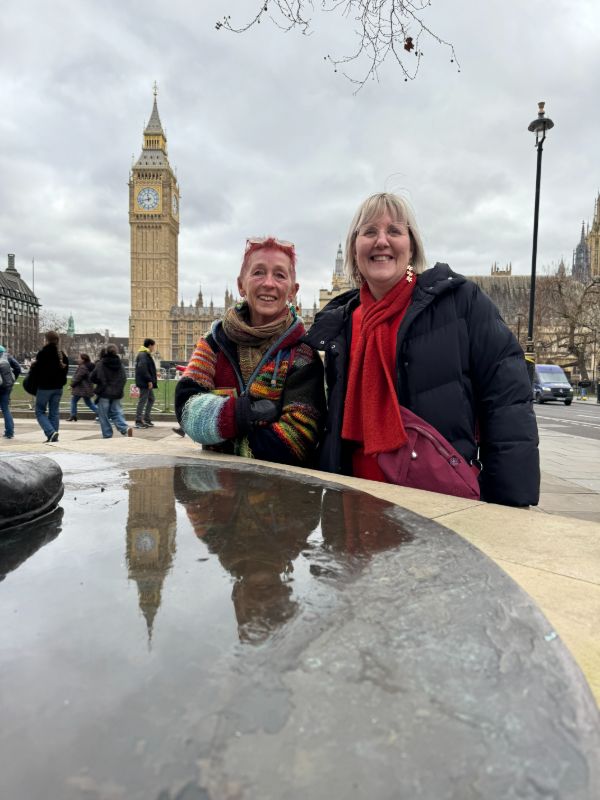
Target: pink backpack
[{"x": 428, "y": 461}]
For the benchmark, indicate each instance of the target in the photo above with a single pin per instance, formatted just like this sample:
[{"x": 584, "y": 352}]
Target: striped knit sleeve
[
  {"x": 200, "y": 418},
  {"x": 205, "y": 417},
  {"x": 201, "y": 366}
]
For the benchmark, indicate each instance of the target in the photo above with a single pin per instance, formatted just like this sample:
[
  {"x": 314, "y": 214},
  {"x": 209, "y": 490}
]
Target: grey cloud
[{"x": 266, "y": 138}]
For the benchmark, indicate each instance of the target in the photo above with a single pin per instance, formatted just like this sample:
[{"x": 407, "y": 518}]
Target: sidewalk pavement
[{"x": 552, "y": 551}]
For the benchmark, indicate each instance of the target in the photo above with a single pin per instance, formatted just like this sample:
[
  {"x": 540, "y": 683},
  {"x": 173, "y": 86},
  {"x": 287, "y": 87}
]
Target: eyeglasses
[{"x": 262, "y": 239}]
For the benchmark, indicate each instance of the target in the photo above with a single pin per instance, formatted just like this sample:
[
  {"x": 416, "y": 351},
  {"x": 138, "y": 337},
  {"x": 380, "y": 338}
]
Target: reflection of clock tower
[
  {"x": 154, "y": 221},
  {"x": 151, "y": 530}
]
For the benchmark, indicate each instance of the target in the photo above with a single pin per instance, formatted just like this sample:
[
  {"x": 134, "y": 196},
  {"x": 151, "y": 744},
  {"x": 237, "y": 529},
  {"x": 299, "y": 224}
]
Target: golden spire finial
[{"x": 155, "y": 88}]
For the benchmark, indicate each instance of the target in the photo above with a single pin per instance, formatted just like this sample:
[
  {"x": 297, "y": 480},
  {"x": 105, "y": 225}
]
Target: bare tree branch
[
  {"x": 571, "y": 318},
  {"x": 384, "y": 29}
]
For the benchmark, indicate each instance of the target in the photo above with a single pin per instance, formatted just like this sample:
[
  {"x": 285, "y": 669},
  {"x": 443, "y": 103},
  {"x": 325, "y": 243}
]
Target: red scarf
[{"x": 372, "y": 412}]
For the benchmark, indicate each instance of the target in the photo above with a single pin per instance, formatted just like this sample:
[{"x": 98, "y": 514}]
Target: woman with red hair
[{"x": 252, "y": 387}]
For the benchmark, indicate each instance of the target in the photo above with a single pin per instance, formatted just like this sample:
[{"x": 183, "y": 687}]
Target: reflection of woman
[
  {"x": 428, "y": 341},
  {"x": 251, "y": 387},
  {"x": 82, "y": 387},
  {"x": 256, "y": 532}
]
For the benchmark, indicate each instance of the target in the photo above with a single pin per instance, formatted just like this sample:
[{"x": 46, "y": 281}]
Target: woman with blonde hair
[{"x": 422, "y": 373}]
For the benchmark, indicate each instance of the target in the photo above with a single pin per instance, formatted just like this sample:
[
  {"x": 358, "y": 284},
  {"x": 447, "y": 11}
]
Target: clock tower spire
[{"x": 154, "y": 224}]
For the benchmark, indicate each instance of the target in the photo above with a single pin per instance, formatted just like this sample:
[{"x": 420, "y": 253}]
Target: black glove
[{"x": 251, "y": 414}]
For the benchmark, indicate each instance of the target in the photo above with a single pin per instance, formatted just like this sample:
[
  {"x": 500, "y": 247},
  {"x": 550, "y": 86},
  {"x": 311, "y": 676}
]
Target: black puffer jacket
[
  {"x": 145, "y": 369},
  {"x": 51, "y": 367},
  {"x": 460, "y": 368},
  {"x": 109, "y": 377}
]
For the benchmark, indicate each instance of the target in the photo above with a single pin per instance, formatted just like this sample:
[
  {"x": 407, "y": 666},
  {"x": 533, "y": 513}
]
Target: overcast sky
[{"x": 266, "y": 138}]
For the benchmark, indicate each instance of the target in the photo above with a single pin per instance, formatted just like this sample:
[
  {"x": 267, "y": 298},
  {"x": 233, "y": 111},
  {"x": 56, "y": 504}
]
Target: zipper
[{"x": 438, "y": 445}]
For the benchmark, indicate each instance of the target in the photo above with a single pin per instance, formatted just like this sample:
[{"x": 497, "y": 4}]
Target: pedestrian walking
[
  {"x": 110, "y": 378},
  {"x": 145, "y": 380},
  {"x": 82, "y": 388},
  {"x": 50, "y": 368},
  {"x": 9, "y": 372}
]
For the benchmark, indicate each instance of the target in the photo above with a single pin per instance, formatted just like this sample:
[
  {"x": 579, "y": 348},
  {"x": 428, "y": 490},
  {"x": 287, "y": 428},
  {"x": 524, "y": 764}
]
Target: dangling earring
[{"x": 409, "y": 274}]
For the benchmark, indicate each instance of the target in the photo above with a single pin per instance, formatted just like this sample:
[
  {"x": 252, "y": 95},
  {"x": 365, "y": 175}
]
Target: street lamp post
[
  {"x": 519, "y": 318},
  {"x": 539, "y": 126},
  {"x": 131, "y": 348}
]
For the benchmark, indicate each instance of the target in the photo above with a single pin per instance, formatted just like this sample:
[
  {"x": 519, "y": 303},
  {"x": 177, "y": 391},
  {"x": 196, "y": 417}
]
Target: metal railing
[{"x": 164, "y": 394}]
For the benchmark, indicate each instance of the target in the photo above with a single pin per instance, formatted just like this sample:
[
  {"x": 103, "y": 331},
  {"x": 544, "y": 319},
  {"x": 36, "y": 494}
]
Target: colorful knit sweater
[{"x": 290, "y": 374}]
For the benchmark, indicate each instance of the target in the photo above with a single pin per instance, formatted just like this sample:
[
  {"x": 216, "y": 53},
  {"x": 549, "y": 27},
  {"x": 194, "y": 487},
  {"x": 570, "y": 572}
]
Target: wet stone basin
[{"x": 185, "y": 630}]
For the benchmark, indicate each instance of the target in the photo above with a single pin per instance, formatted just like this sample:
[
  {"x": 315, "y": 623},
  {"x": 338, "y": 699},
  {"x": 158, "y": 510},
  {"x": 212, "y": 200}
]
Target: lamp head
[{"x": 541, "y": 124}]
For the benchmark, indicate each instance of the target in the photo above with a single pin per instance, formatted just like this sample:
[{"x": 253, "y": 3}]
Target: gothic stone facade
[
  {"x": 154, "y": 222},
  {"x": 19, "y": 314}
]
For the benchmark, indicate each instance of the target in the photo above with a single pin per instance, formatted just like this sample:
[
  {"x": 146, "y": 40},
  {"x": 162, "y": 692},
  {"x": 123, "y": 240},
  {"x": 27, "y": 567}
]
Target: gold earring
[{"x": 409, "y": 274}]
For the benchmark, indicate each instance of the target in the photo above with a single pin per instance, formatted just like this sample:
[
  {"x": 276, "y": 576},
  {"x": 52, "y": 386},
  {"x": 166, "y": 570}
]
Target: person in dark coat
[
  {"x": 110, "y": 378},
  {"x": 82, "y": 388},
  {"x": 10, "y": 369},
  {"x": 430, "y": 341},
  {"x": 50, "y": 367},
  {"x": 146, "y": 381}
]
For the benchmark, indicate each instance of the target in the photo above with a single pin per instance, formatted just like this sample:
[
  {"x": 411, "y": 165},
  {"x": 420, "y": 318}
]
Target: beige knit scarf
[{"x": 252, "y": 342}]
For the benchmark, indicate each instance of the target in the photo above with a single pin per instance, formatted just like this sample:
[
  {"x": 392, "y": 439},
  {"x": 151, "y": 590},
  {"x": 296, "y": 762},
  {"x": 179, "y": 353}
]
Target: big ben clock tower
[{"x": 154, "y": 222}]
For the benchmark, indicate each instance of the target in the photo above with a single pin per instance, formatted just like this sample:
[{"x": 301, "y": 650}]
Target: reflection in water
[
  {"x": 151, "y": 527},
  {"x": 19, "y": 544},
  {"x": 259, "y": 524}
]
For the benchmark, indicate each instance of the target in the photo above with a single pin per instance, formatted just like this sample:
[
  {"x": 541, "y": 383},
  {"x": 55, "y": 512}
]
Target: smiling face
[
  {"x": 267, "y": 284},
  {"x": 383, "y": 251}
]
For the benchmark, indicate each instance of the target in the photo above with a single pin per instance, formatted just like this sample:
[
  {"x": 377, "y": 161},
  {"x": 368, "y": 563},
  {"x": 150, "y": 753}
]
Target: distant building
[
  {"x": 188, "y": 323},
  {"x": 593, "y": 242},
  {"x": 92, "y": 343},
  {"x": 586, "y": 256},
  {"x": 339, "y": 281},
  {"x": 19, "y": 313},
  {"x": 581, "y": 259},
  {"x": 154, "y": 223},
  {"x": 499, "y": 271}
]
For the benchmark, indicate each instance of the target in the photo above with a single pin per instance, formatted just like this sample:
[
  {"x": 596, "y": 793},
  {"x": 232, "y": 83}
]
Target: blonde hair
[{"x": 373, "y": 207}]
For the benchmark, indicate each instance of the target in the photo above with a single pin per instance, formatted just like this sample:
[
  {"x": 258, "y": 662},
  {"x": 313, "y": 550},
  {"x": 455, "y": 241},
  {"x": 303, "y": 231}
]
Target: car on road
[{"x": 551, "y": 383}]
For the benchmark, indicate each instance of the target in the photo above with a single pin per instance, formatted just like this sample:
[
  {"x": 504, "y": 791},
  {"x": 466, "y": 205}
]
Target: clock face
[
  {"x": 174, "y": 205},
  {"x": 144, "y": 542},
  {"x": 147, "y": 198}
]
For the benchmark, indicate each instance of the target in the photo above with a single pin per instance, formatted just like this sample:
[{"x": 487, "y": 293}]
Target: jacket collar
[{"x": 332, "y": 319}]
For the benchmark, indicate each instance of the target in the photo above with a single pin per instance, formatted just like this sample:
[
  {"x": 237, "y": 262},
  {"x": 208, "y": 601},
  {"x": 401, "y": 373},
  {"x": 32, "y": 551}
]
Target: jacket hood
[
  {"x": 439, "y": 279},
  {"x": 111, "y": 361}
]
